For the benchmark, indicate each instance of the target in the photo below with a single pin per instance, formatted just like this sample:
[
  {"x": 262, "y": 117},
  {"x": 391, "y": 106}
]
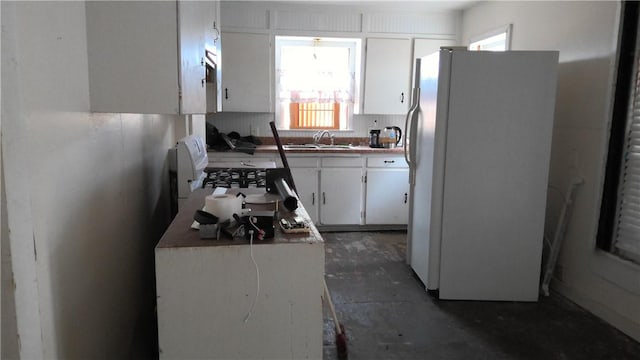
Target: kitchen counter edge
[
  {"x": 179, "y": 234},
  {"x": 350, "y": 150}
]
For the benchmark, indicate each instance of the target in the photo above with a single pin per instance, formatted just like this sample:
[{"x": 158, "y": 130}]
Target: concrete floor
[{"x": 388, "y": 315}]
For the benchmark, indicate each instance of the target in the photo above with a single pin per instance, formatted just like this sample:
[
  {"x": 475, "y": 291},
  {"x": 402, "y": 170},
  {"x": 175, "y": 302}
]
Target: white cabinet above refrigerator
[{"x": 387, "y": 76}]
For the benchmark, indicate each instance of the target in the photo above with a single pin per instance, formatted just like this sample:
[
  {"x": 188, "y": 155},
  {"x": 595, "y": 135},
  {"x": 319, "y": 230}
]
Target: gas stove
[{"x": 236, "y": 174}]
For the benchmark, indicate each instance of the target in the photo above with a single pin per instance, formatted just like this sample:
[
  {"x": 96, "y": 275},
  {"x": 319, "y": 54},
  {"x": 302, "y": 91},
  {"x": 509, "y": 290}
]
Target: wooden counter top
[
  {"x": 180, "y": 233},
  {"x": 351, "y": 150},
  {"x": 365, "y": 150}
]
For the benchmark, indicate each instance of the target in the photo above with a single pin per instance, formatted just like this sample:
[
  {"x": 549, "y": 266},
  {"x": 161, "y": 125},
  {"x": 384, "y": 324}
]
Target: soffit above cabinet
[
  {"x": 411, "y": 24},
  {"x": 349, "y": 17},
  {"x": 244, "y": 15},
  {"x": 320, "y": 21}
]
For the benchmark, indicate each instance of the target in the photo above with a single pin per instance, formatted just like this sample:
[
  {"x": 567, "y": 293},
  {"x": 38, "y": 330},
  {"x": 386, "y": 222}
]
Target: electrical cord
[
  {"x": 261, "y": 232},
  {"x": 253, "y": 304}
]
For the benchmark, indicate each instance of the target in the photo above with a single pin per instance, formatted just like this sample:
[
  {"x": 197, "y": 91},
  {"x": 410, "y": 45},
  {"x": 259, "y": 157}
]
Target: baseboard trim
[
  {"x": 625, "y": 325},
  {"x": 337, "y": 228}
]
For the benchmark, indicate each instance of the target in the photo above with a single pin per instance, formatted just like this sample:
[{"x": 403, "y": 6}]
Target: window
[
  {"x": 314, "y": 115},
  {"x": 316, "y": 82},
  {"x": 496, "y": 40},
  {"x": 619, "y": 224}
]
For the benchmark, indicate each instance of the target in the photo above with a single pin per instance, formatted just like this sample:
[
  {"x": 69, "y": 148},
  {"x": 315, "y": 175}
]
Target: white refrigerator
[{"x": 478, "y": 146}]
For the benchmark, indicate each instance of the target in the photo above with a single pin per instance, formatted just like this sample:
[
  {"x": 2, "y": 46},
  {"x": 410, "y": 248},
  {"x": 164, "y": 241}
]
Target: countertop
[
  {"x": 351, "y": 150},
  {"x": 180, "y": 234}
]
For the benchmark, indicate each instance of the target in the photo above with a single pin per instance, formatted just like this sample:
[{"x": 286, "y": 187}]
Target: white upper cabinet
[
  {"x": 246, "y": 79},
  {"x": 424, "y": 47},
  {"x": 192, "y": 31},
  {"x": 387, "y": 76},
  {"x": 147, "y": 57},
  {"x": 213, "y": 43}
]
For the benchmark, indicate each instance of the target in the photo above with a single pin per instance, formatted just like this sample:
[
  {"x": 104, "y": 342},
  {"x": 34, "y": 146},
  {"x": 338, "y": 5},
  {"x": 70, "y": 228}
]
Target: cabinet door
[
  {"x": 213, "y": 41},
  {"x": 133, "y": 57},
  {"x": 246, "y": 79},
  {"x": 387, "y": 199},
  {"x": 341, "y": 196},
  {"x": 424, "y": 47},
  {"x": 192, "y": 30},
  {"x": 306, "y": 180},
  {"x": 387, "y": 76},
  {"x": 211, "y": 12},
  {"x": 146, "y": 57}
]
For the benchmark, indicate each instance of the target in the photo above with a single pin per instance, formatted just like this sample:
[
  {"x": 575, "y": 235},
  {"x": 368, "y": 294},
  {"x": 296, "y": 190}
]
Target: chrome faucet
[{"x": 317, "y": 137}]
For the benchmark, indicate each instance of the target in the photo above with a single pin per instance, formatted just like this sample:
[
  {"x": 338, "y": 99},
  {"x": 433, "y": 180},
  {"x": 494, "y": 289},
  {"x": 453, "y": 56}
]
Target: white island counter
[{"x": 206, "y": 287}]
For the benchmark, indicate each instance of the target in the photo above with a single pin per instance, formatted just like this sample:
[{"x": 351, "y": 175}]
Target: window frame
[
  {"x": 626, "y": 69},
  {"x": 355, "y": 44},
  {"x": 506, "y": 29}
]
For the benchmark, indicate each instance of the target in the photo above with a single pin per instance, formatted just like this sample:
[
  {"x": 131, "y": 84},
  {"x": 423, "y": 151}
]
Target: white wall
[
  {"x": 86, "y": 193},
  {"x": 9, "y": 336},
  {"x": 586, "y": 34}
]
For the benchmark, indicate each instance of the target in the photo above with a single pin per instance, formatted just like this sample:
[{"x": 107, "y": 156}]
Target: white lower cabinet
[
  {"x": 341, "y": 196},
  {"x": 387, "y": 195},
  {"x": 387, "y": 200},
  {"x": 307, "y": 184},
  {"x": 333, "y": 191},
  {"x": 330, "y": 188}
]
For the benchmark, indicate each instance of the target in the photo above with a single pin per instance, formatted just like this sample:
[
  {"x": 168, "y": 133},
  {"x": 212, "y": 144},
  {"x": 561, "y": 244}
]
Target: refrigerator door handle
[
  {"x": 408, "y": 132},
  {"x": 406, "y": 136},
  {"x": 410, "y": 136}
]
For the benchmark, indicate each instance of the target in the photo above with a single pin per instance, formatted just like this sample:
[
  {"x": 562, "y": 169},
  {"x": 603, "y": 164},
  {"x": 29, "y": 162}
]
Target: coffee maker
[{"x": 374, "y": 138}]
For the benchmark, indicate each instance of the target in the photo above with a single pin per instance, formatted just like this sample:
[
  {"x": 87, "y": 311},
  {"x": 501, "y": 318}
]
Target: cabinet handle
[
  {"x": 389, "y": 161},
  {"x": 226, "y": 93},
  {"x": 405, "y": 198},
  {"x": 201, "y": 61},
  {"x": 402, "y": 99},
  {"x": 217, "y": 32},
  {"x": 324, "y": 199},
  {"x": 313, "y": 198},
  {"x": 203, "y": 81}
]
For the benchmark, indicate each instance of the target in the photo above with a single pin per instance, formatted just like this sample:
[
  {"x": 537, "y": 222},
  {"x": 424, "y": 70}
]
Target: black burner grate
[{"x": 235, "y": 178}]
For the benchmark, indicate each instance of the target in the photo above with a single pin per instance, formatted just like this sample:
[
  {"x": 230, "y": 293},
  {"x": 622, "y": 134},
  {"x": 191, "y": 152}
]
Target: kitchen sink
[
  {"x": 300, "y": 146},
  {"x": 336, "y": 146},
  {"x": 318, "y": 146}
]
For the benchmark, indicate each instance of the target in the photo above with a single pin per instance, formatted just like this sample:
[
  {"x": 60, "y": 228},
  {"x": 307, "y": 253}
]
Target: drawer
[
  {"x": 387, "y": 162},
  {"x": 341, "y": 162},
  {"x": 302, "y": 162}
]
